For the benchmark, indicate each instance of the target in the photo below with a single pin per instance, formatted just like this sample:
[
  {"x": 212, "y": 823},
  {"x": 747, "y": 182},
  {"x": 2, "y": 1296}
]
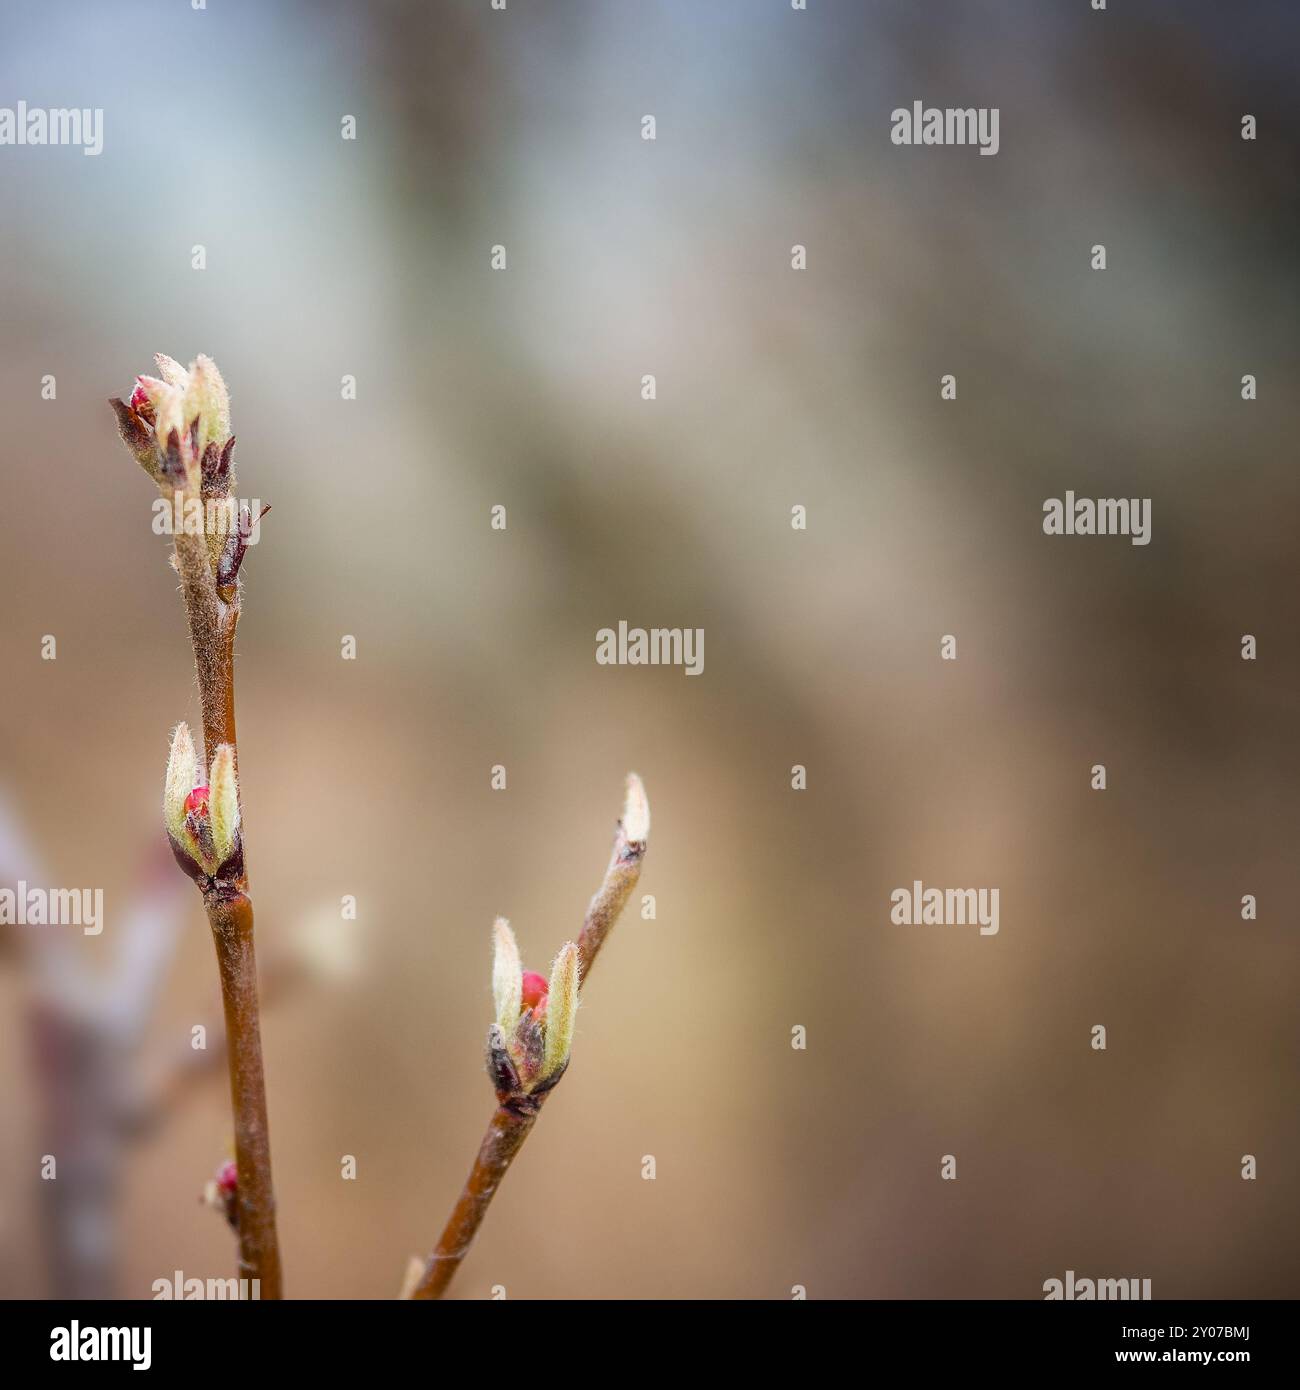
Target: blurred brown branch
[{"x": 86, "y": 1034}]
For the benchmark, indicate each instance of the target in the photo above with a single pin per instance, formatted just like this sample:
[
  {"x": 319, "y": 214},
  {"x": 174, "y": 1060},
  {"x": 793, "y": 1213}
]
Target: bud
[
  {"x": 235, "y": 546},
  {"x": 507, "y": 975},
  {"x": 202, "y": 821},
  {"x": 177, "y": 427},
  {"x": 172, "y": 371},
  {"x": 207, "y": 399},
  {"x": 138, "y": 436},
  {"x": 636, "y": 811},
  {"x": 224, "y": 803},
  {"x": 220, "y": 1193},
  {"x": 182, "y": 774},
  {"x": 529, "y": 1044},
  {"x": 535, "y": 991},
  {"x": 141, "y": 402},
  {"x": 561, "y": 1010}
]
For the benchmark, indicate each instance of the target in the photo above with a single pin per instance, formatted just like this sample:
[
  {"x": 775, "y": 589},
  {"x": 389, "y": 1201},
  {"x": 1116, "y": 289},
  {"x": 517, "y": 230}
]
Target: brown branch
[
  {"x": 212, "y": 634},
  {"x": 620, "y": 879},
  {"x": 232, "y": 930},
  {"x": 213, "y": 616},
  {"x": 190, "y": 450},
  {"x": 516, "y": 1112},
  {"x": 505, "y": 1136}
]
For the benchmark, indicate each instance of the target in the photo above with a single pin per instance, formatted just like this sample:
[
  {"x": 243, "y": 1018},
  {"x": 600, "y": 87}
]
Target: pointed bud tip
[
  {"x": 171, "y": 370},
  {"x": 507, "y": 976},
  {"x": 223, "y": 803},
  {"x": 636, "y": 811},
  {"x": 182, "y": 774},
  {"x": 561, "y": 1009},
  {"x": 207, "y": 402}
]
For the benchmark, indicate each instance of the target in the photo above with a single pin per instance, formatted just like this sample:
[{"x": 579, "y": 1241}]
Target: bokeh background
[{"x": 325, "y": 257}]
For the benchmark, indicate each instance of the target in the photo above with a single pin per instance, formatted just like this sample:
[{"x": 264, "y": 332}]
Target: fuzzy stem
[
  {"x": 505, "y": 1136},
  {"x": 620, "y": 879},
  {"x": 212, "y": 635},
  {"x": 213, "y": 616}
]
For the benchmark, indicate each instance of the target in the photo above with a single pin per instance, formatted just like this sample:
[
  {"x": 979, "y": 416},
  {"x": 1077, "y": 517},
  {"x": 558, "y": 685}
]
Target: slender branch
[
  {"x": 177, "y": 427},
  {"x": 518, "y": 1108},
  {"x": 209, "y": 573},
  {"x": 505, "y": 1136},
  {"x": 212, "y": 635},
  {"x": 212, "y": 621},
  {"x": 232, "y": 931},
  {"x": 620, "y": 879}
]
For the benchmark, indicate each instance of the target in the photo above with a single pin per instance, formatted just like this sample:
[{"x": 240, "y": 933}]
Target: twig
[
  {"x": 178, "y": 429},
  {"x": 528, "y": 1046},
  {"x": 506, "y": 1132},
  {"x": 620, "y": 877},
  {"x": 259, "y": 1251}
]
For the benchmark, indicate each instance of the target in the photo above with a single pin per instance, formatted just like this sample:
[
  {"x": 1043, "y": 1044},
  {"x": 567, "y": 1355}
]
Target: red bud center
[
  {"x": 140, "y": 403},
  {"x": 535, "y": 989}
]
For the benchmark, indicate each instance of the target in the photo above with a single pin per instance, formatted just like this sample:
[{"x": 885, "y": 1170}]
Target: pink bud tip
[
  {"x": 535, "y": 988},
  {"x": 139, "y": 397},
  {"x": 228, "y": 1177},
  {"x": 198, "y": 801}
]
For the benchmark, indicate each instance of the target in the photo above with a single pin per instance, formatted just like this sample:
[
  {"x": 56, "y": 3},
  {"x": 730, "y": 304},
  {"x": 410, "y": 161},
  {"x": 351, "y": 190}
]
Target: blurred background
[{"x": 325, "y": 257}]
